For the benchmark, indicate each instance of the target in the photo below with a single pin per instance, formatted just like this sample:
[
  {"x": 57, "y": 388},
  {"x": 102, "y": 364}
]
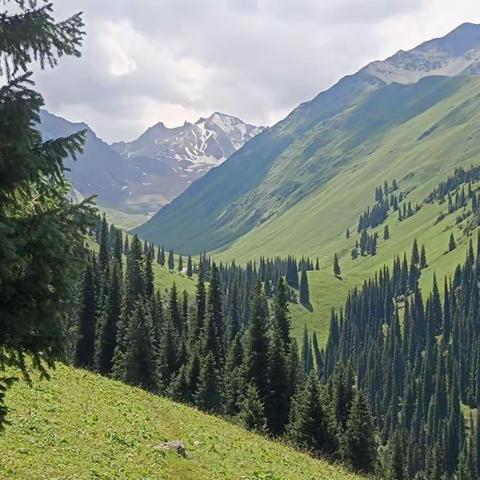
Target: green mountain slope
[
  {"x": 83, "y": 426},
  {"x": 280, "y": 171}
]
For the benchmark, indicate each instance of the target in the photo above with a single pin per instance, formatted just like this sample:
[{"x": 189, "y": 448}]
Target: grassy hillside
[{"x": 83, "y": 426}]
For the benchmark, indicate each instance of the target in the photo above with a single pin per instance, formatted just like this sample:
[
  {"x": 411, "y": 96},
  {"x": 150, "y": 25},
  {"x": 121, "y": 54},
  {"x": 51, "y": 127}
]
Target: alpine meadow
[{"x": 255, "y": 295}]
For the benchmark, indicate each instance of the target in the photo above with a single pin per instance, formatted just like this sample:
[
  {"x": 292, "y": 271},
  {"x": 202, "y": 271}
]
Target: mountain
[
  {"x": 132, "y": 180},
  {"x": 184, "y": 153},
  {"x": 298, "y": 185},
  {"x": 77, "y": 415}
]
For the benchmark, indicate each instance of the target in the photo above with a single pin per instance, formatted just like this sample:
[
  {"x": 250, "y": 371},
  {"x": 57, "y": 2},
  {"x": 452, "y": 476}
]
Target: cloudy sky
[{"x": 146, "y": 61}]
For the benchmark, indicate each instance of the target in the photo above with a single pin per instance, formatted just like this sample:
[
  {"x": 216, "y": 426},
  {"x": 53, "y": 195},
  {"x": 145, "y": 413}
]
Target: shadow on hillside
[{"x": 308, "y": 306}]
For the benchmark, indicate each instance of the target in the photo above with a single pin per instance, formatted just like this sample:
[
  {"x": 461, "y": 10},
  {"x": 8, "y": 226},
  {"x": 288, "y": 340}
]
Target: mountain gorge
[{"x": 133, "y": 180}]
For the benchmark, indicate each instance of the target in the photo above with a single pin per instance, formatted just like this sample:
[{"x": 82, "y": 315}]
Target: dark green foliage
[
  {"x": 277, "y": 402},
  {"x": 171, "y": 261},
  {"x": 252, "y": 414},
  {"x": 42, "y": 232},
  {"x": 189, "y": 267},
  {"x": 386, "y": 233},
  {"x": 85, "y": 345},
  {"x": 308, "y": 427},
  {"x": 139, "y": 366},
  {"x": 108, "y": 322},
  {"x": 208, "y": 394},
  {"x": 304, "y": 290},
  {"x": 358, "y": 447},
  {"x": 452, "y": 245},
  {"x": 281, "y": 317},
  {"x": 336, "y": 266},
  {"x": 255, "y": 366}
]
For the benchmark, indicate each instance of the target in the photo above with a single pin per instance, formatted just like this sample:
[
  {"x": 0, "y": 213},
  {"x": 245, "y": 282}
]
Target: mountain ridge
[{"x": 295, "y": 157}]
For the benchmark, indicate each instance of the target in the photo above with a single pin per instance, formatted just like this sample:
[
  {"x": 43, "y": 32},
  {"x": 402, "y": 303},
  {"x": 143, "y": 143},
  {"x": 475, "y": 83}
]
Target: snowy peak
[
  {"x": 193, "y": 147},
  {"x": 456, "y": 53}
]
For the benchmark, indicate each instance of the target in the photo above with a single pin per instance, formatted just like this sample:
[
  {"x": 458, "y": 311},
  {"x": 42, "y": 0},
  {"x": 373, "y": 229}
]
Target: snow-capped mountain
[
  {"x": 192, "y": 149},
  {"x": 456, "y": 53},
  {"x": 141, "y": 176}
]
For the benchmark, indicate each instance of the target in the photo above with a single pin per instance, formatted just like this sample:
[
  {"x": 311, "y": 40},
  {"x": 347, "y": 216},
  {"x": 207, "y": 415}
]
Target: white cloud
[{"x": 173, "y": 60}]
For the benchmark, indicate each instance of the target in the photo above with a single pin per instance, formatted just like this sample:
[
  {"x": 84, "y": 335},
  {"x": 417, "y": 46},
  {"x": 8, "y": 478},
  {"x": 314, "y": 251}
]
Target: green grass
[{"x": 79, "y": 425}]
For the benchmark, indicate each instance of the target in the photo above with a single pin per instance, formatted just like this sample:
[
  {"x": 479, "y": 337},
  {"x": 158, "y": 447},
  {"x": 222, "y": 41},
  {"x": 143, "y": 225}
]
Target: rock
[{"x": 174, "y": 445}]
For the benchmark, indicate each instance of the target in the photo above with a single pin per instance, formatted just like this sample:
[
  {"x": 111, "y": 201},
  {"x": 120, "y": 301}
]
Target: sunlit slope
[
  {"x": 316, "y": 225},
  {"x": 83, "y": 426}
]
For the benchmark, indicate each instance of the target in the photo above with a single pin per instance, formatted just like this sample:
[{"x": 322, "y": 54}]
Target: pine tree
[
  {"x": 451, "y": 243},
  {"x": 85, "y": 346},
  {"x": 140, "y": 358},
  {"x": 423, "y": 258},
  {"x": 277, "y": 402},
  {"x": 171, "y": 261},
  {"x": 42, "y": 232},
  {"x": 161, "y": 256},
  {"x": 359, "y": 448},
  {"x": 281, "y": 317},
  {"x": 108, "y": 324},
  {"x": 189, "y": 267},
  {"x": 386, "y": 233},
  {"x": 336, "y": 266},
  {"x": 252, "y": 414},
  {"x": 233, "y": 377},
  {"x": 208, "y": 396},
  {"x": 308, "y": 427},
  {"x": 180, "y": 263},
  {"x": 255, "y": 366},
  {"x": 215, "y": 314},
  {"x": 304, "y": 290},
  {"x": 103, "y": 254}
]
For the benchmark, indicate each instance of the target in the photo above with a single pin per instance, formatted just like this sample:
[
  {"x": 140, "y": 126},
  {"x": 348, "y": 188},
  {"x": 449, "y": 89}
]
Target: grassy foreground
[{"x": 80, "y": 425}]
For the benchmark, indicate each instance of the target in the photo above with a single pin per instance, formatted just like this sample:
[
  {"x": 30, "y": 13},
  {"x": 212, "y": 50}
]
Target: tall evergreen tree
[
  {"x": 304, "y": 289},
  {"x": 336, "y": 266},
  {"x": 42, "y": 232},
  {"x": 85, "y": 346},
  {"x": 359, "y": 446}
]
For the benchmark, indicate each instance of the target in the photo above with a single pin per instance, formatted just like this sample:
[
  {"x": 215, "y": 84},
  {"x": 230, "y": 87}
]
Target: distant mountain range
[
  {"x": 277, "y": 194},
  {"x": 137, "y": 178}
]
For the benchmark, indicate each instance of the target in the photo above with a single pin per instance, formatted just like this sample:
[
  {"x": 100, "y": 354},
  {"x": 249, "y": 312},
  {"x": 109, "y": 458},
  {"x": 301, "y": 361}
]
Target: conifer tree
[
  {"x": 140, "y": 359},
  {"x": 281, "y": 317},
  {"x": 171, "y": 261},
  {"x": 103, "y": 254},
  {"x": 255, "y": 366},
  {"x": 423, "y": 258},
  {"x": 358, "y": 446},
  {"x": 161, "y": 256},
  {"x": 42, "y": 231},
  {"x": 308, "y": 427},
  {"x": 277, "y": 402},
  {"x": 108, "y": 322},
  {"x": 233, "y": 377},
  {"x": 252, "y": 414},
  {"x": 336, "y": 266},
  {"x": 189, "y": 267},
  {"x": 304, "y": 290},
  {"x": 208, "y": 396},
  {"x": 85, "y": 346},
  {"x": 180, "y": 263},
  {"x": 451, "y": 243},
  {"x": 386, "y": 233}
]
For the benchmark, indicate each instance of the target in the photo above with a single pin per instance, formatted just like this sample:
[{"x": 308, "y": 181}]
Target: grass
[{"x": 80, "y": 425}]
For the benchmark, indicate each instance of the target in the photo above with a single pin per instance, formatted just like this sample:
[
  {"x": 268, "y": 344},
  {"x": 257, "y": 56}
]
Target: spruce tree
[
  {"x": 85, "y": 346},
  {"x": 171, "y": 261},
  {"x": 277, "y": 402},
  {"x": 308, "y": 427},
  {"x": 358, "y": 445},
  {"x": 208, "y": 395},
  {"x": 281, "y": 317},
  {"x": 252, "y": 415},
  {"x": 255, "y": 366},
  {"x": 304, "y": 290},
  {"x": 451, "y": 243},
  {"x": 42, "y": 232},
  {"x": 336, "y": 266},
  {"x": 386, "y": 233},
  {"x": 189, "y": 267},
  {"x": 108, "y": 322}
]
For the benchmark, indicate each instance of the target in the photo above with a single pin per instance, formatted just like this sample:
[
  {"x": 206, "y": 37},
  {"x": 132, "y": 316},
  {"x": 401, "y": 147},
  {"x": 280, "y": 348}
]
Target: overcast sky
[{"x": 146, "y": 61}]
